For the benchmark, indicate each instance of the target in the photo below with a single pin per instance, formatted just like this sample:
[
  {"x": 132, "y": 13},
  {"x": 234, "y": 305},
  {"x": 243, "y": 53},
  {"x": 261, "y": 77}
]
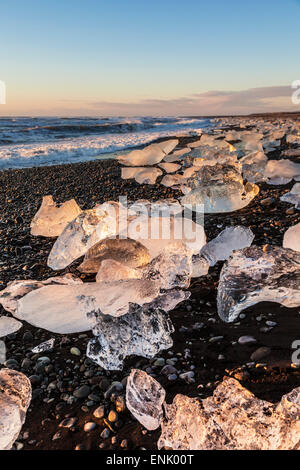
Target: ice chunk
[
  {"x": 2, "y": 352},
  {"x": 52, "y": 218},
  {"x": 177, "y": 155},
  {"x": 293, "y": 139},
  {"x": 130, "y": 172},
  {"x": 150, "y": 155},
  {"x": 291, "y": 238},
  {"x": 55, "y": 308},
  {"x": 45, "y": 346},
  {"x": 141, "y": 175},
  {"x": 129, "y": 252},
  {"x": 144, "y": 331},
  {"x": 111, "y": 270},
  {"x": 8, "y": 326},
  {"x": 160, "y": 208},
  {"x": 200, "y": 266},
  {"x": 170, "y": 167},
  {"x": 85, "y": 231},
  {"x": 148, "y": 175},
  {"x": 172, "y": 180},
  {"x": 253, "y": 167},
  {"x": 144, "y": 399},
  {"x": 255, "y": 275},
  {"x": 282, "y": 171},
  {"x": 230, "y": 239},
  {"x": 292, "y": 152},
  {"x": 15, "y": 290},
  {"x": 172, "y": 267},
  {"x": 156, "y": 233},
  {"x": 15, "y": 397},
  {"x": 231, "y": 419},
  {"x": 293, "y": 196},
  {"x": 219, "y": 188}
]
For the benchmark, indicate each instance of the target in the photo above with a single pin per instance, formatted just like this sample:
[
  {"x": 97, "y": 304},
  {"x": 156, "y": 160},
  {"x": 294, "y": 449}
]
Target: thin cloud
[{"x": 264, "y": 99}]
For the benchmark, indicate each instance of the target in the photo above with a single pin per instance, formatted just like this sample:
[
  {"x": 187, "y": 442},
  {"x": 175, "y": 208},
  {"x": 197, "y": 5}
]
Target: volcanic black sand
[{"x": 201, "y": 339}]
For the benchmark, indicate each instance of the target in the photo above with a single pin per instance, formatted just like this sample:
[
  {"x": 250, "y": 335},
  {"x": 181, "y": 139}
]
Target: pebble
[
  {"x": 105, "y": 433},
  {"x": 260, "y": 353},
  {"x": 82, "y": 392},
  {"x": 246, "y": 340},
  {"x": 68, "y": 422},
  {"x": 99, "y": 412},
  {"x": 124, "y": 444},
  {"x": 115, "y": 387},
  {"x": 113, "y": 416},
  {"x": 75, "y": 351},
  {"x": 88, "y": 427},
  {"x": 120, "y": 404}
]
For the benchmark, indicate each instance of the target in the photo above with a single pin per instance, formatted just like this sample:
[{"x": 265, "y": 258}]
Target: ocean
[{"x": 28, "y": 142}]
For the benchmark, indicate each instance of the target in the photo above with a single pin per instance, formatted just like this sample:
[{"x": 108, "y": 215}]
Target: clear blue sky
[{"x": 124, "y": 56}]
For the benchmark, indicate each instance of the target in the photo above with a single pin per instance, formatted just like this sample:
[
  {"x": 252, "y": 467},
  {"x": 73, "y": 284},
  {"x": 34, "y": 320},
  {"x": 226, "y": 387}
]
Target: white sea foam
[{"x": 40, "y": 142}]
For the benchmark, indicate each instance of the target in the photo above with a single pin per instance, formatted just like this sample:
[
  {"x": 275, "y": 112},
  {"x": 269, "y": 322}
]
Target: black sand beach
[{"x": 212, "y": 344}]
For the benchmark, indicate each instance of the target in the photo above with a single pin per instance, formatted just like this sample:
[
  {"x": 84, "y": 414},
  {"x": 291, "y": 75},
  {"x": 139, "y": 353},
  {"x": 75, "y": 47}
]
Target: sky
[{"x": 138, "y": 57}]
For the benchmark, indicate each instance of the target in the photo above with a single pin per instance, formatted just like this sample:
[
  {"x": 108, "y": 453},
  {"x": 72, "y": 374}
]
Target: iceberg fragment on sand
[
  {"x": 255, "y": 275},
  {"x": 142, "y": 175},
  {"x": 129, "y": 252},
  {"x": 150, "y": 155},
  {"x": 253, "y": 167},
  {"x": 291, "y": 238},
  {"x": 55, "y": 308},
  {"x": 293, "y": 196},
  {"x": 85, "y": 231},
  {"x": 148, "y": 176},
  {"x": 230, "y": 239},
  {"x": 144, "y": 399},
  {"x": 143, "y": 331},
  {"x": 15, "y": 290},
  {"x": 111, "y": 270},
  {"x": 8, "y": 326},
  {"x": 170, "y": 167},
  {"x": 281, "y": 171},
  {"x": 156, "y": 233},
  {"x": 219, "y": 188},
  {"x": 231, "y": 419},
  {"x": 15, "y": 397},
  {"x": 52, "y": 218},
  {"x": 172, "y": 267}
]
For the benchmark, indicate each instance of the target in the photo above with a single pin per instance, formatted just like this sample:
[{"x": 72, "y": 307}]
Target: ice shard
[
  {"x": 15, "y": 397},
  {"x": 8, "y": 326},
  {"x": 144, "y": 331},
  {"x": 170, "y": 167},
  {"x": 55, "y": 308},
  {"x": 156, "y": 233},
  {"x": 231, "y": 419},
  {"x": 51, "y": 218},
  {"x": 281, "y": 171},
  {"x": 172, "y": 267},
  {"x": 144, "y": 399},
  {"x": 150, "y": 155},
  {"x": 15, "y": 290},
  {"x": 253, "y": 167},
  {"x": 230, "y": 239},
  {"x": 111, "y": 270},
  {"x": 219, "y": 188},
  {"x": 255, "y": 275},
  {"x": 129, "y": 252},
  {"x": 293, "y": 196},
  {"x": 291, "y": 238},
  {"x": 85, "y": 231},
  {"x": 148, "y": 175}
]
